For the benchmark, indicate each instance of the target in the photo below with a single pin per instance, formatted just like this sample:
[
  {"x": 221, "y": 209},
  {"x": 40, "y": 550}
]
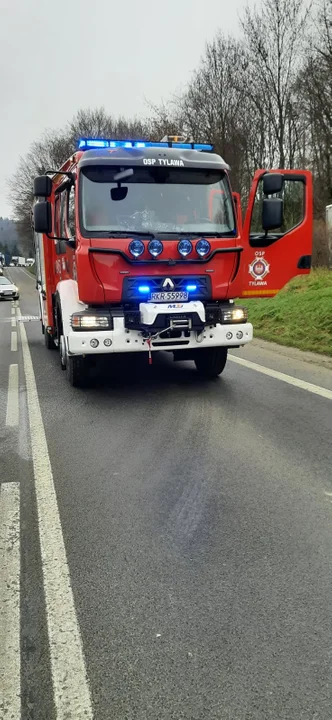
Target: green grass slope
[{"x": 299, "y": 316}]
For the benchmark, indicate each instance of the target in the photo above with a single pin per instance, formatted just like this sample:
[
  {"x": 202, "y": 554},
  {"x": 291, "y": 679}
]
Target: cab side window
[
  {"x": 71, "y": 211},
  {"x": 293, "y": 195},
  {"x": 63, "y": 211}
]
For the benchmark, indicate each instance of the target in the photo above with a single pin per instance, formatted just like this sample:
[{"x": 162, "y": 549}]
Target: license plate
[
  {"x": 169, "y": 297},
  {"x": 8, "y": 292}
]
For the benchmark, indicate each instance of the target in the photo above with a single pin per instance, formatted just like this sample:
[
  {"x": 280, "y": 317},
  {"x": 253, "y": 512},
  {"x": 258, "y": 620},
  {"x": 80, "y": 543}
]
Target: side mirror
[
  {"x": 272, "y": 183},
  {"x": 42, "y": 186},
  {"x": 272, "y": 213},
  {"x": 42, "y": 217}
]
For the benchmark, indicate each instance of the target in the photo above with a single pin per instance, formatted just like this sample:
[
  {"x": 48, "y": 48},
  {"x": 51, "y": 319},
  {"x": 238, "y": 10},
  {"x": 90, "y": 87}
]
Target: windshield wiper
[
  {"x": 125, "y": 234},
  {"x": 191, "y": 235}
]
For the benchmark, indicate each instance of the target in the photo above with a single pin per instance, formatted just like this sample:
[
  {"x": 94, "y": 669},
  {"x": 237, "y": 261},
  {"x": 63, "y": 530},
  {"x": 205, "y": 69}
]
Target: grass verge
[{"x": 299, "y": 316}]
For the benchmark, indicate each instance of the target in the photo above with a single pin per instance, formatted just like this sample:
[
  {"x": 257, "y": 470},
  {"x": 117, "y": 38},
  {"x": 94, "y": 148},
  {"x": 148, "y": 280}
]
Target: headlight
[
  {"x": 79, "y": 321},
  {"x": 136, "y": 247},
  {"x": 185, "y": 247},
  {"x": 203, "y": 247},
  {"x": 155, "y": 247},
  {"x": 235, "y": 315}
]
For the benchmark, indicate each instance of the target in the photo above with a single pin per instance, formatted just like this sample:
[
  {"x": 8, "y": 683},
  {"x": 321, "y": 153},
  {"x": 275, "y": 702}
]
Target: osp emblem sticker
[{"x": 259, "y": 268}]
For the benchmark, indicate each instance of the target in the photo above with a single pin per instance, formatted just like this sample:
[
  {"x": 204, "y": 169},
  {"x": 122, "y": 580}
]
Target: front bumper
[
  {"x": 124, "y": 340},
  {"x": 11, "y": 296}
]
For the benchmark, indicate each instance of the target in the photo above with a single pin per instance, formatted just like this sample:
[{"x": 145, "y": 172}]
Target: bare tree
[
  {"x": 274, "y": 38},
  {"x": 53, "y": 149}
]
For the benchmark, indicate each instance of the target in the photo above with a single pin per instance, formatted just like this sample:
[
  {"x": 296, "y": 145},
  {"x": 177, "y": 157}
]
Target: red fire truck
[{"x": 140, "y": 247}]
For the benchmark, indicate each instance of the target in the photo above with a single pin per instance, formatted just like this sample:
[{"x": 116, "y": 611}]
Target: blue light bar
[
  {"x": 143, "y": 289},
  {"x": 191, "y": 288},
  {"x": 96, "y": 143}
]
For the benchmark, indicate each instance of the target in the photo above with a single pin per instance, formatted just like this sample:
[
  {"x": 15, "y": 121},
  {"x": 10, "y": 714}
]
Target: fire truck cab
[{"x": 140, "y": 247}]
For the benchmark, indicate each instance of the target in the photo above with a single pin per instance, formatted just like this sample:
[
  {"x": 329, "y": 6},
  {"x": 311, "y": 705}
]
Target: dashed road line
[
  {"x": 13, "y": 343},
  {"x": 12, "y": 397},
  {"x": 70, "y": 684},
  {"x": 10, "y": 651},
  {"x": 302, "y": 384},
  {"x": 13, "y": 322}
]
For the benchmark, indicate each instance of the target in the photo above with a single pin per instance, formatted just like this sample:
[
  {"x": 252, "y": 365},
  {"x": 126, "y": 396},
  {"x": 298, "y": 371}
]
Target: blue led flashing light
[
  {"x": 191, "y": 288},
  {"x": 96, "y": 143},
  {"x": 144, "y": 289}
]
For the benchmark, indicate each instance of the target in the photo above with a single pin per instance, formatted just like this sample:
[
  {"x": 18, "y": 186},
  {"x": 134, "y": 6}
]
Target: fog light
[
  {"x": 94, "y": 343},
  {"x": 239, "y": 335},
  {"x": 155, "y": 247},
  {"x": 229, "y": 336},
  {"x": 203, "y": 247},
  {"x": 108, "y": 342},
  {"x": 136, "y": 248},
  {"x": 185, "y": 247}
]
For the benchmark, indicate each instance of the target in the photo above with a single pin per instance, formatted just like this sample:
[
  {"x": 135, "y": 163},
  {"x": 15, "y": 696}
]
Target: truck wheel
[
  {"x": 49, "y": 342},
  {"x": 210, "y": 362},
  {"x": 76, "y": 370}
]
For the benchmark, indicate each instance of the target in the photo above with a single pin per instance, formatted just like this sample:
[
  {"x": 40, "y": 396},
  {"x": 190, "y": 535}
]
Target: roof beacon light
[{"x": 102, "y": 144}]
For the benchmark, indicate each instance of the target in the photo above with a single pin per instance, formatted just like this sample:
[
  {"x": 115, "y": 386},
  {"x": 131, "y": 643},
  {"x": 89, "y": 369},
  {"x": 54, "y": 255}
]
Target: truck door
[{"x": 270, "y": 259}]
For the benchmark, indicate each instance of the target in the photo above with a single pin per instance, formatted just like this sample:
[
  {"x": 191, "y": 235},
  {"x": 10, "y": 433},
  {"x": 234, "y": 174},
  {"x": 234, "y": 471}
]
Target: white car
[{"x": 8, "y": 291}]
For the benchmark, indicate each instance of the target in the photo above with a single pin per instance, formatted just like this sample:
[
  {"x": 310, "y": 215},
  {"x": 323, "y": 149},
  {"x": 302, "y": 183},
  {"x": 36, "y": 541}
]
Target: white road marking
[
  {"x": 302, "y": 384},
  {"x": 13, "y": 345},
  {"x": 30, "y": 275},
  {"x": 13, "y": 310},
  {"x": 13, "y": 322},
  {"x": 70, "y": 684},
  {"x": 10, "y": 651},
  {"x": 12, "y": 397}
]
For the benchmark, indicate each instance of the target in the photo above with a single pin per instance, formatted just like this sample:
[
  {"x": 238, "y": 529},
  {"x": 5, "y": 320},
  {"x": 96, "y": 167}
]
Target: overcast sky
[{"x": 57, "y": 57}]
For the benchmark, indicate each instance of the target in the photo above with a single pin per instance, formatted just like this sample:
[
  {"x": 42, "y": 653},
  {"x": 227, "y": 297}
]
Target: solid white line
[
  {"x": 302, "y": 384},
  {"x": 13, "y": 345},
  {"x": 12, "y": 397},
  {"x": 10, "y": 651},
  {"x": 13, "y": 322},
  {"x": 70, "y": 683},
  {"x": 32, "y": 277}
]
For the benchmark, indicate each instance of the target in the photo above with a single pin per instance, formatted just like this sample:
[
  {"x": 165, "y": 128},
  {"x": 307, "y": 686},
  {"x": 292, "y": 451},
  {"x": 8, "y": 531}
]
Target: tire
[
  {"x": 76, "y": 370},
  {"x": 49, "y": 342},
  {"x": 210, "y": 362}
]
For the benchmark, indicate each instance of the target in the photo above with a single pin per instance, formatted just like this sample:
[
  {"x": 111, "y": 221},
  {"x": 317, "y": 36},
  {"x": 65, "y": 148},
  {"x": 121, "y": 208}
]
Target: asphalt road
[{"x": 197, "y": 524}]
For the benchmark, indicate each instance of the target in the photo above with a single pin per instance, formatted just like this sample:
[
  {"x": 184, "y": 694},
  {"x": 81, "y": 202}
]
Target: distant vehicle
[
  {"x": 1, "y": 270},
  {"x": 11, "y": 264},
  {"x": 30, "y": 262},
  {"x": 18, "y": 261},
  {"x": 8, "y": 290}
]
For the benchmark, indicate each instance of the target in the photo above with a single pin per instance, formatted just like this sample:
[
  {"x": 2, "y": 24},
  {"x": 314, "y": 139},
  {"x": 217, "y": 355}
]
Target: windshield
[
  {"x": 158, "y": 200},
  {"x": 4, "y": 281}
]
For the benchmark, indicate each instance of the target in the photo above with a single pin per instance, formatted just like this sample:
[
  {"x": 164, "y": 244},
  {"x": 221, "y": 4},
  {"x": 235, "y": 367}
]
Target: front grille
[{"x": 131, "y": 294}]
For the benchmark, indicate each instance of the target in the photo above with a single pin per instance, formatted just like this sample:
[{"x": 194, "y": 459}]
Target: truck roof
[{"x": 153, "y": 157}]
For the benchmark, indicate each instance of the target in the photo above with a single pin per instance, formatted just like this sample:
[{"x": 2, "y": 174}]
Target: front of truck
[{"x": 157, "y": 250}]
